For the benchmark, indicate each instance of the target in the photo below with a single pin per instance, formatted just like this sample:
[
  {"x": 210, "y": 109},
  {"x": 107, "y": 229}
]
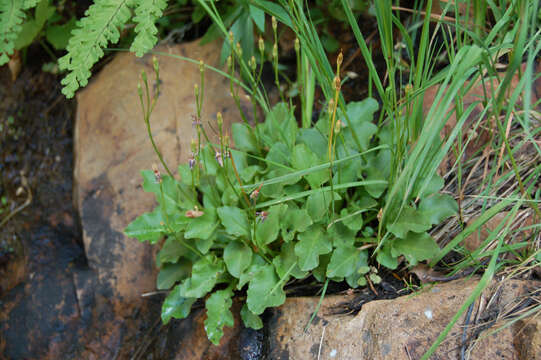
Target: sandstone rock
[
  {"x": 112, "y": 147},
  {"x": 402, "y": 328}
]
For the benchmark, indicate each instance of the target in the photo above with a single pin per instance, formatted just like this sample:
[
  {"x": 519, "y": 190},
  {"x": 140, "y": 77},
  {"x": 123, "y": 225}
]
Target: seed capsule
[{"x": 195, "y": 213}]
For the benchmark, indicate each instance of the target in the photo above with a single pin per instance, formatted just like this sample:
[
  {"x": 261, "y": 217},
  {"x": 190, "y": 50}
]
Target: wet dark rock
[{"x": 251, "y": 344}]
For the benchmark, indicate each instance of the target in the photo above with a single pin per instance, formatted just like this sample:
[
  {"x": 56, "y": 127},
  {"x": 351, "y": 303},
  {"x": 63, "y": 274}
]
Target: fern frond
[
  {"x": 94, "y": 31},
  {"x": 146, "y": 14},
  {"x": 27, "y": 4},
  {"x": 11, "y": 18}
]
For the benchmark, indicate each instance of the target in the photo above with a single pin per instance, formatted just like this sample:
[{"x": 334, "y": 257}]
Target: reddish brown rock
[
  {"x": 112, "y": 147},
  {"x": 405, "y": 327}
]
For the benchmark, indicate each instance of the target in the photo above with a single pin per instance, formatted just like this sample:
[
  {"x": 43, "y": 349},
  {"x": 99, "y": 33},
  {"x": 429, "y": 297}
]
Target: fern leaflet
[
  {"x": 146, "y": 14},
  {"x": 99, "y": 27},
  {"x": 11, "y": 19}
]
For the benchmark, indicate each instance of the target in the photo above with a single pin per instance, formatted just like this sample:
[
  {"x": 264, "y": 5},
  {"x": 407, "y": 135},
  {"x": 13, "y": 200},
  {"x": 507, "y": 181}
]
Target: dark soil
[{"x": 43, "y": 240}]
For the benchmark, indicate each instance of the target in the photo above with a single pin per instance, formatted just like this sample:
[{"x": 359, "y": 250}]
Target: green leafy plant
[
  {"x": 100, "y": 26},
  {"x": 21, "y": 28},
  {"x": 12, "y": 16},
  {"x": 283, "y": 203}
]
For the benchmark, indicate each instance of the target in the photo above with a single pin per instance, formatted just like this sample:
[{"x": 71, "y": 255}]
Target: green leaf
[
  {"x": 237, "y": 257},
  {"x": 235, "y": 221},
  {"x": 341, "y": 234},
  {"x": 29, "y": 32},
  {"x": 202, "y": 227},
  {"x": 361, "y": 114},
  {"x": 409, "y": 220},
  {"x": 281, "y": 125},
  {"x": 287, "y": 262},
  {"x": 244, "y": 138},
  {"x": 32, "y": 28},
  {"x": 167, "y": 193},
  {"x": 438, "y": 207},
  {"x": 275, "y": 10},
  {"x": 295, "y": 220},
  {"x": 385, "y": 258},
  {"x": 352, "y": 218},
  {"x": 253, "y": 269},
  {"x": 43, "y": 12},
  {"x": 312, "y": 243},
  {"x": 147, "y": 227},
  {"x": 171, "y": 251},
  {"x": 356, "y": 278},
  {"x": 423, "y": 188},
  {"x": 267, "y": 230},
  {"x": 415, "y": 247},
  {"x": 218, "y": 314},
  {"x": 343, "y": 261},
  {"x": 258, "y": 16},
  {"x": 330, "y": 43},
  {"x": 248, "y": 173},
  {"x": 205, "y": 273},
  {"x": 209, "y": 161},
  {"x": 198, "y": 14},
  {"x": 375, "y": 190},
  {"x": 59, "y": 35},
  {"x": 318, "y": 204},
  {"x": 320, "y": 272},
  {"x": 171, "y": 273},
  {"x": 176, "y": 306},
  {"x": 230, "y": 197},
  {"x": 303, "y": 158},
  {"x": 278, "y": 154},
  {"x": 250, "y": 319},
  {"x": 314, "y": 140},
  {"x": 264, "y": 290}
]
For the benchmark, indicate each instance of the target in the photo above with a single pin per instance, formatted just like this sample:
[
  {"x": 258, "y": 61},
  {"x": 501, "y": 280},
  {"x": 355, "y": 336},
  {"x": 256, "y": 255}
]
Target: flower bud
[
  {"x": 196, "y": 90},
  {"x": 239, "y": 50},
  {"x": 155, "y": 63},
  {"x": 337, "y": 83},
  {"x": 337, "y": 126},
  {"x": 274, "y": 23},
  {"x": 231, "y": 37},
  {"x": 331, "y": 106},
  {"x": 201, "y": 66},
  {"x": 297, "y": 45},
  {"x": 253, "y": 63},
  {"x": 261, "y": 44},
  {"x": 219, "y": 119},
  {"x": 229, "y": 62},
  {"x": 275, "y": 51}
]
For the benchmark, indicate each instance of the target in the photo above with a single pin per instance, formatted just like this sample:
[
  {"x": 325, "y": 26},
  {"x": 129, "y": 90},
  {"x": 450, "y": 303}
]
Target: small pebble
[{"x": 333, "y": 353}]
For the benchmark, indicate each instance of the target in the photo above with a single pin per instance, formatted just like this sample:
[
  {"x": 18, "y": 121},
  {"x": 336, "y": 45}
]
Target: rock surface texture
[
  {"x": 405, "y": 327},
  {"x": 112, "y": 147}
]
